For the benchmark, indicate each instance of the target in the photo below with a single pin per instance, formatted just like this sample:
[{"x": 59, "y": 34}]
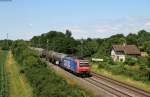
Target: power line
[{"x": 7, "y": 36}]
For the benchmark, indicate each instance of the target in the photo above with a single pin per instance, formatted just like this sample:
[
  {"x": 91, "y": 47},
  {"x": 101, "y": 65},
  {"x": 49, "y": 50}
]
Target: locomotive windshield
[{"x": 84, "y": 64}]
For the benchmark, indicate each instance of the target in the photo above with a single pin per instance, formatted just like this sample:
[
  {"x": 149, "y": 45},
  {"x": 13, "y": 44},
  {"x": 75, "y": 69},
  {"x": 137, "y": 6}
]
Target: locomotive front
[{"x": 83, "y": 67}]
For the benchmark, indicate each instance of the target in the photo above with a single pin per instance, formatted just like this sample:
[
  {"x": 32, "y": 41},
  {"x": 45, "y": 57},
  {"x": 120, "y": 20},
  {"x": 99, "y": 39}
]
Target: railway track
[
  {"x": 117, "y": 88},
  {"x": 113, "y": 88},
  {"x": 108, "y": 88}
]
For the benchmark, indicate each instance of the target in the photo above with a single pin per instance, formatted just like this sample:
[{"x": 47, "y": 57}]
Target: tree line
[
  {"x": 101, "y": 48},
  {"x": 98, "y": 48},
  {"x": 65, "y": 43}
]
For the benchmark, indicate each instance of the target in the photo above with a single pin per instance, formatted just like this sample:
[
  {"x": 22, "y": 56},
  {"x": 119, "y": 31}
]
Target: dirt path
[{"x": 18, "y": 86}]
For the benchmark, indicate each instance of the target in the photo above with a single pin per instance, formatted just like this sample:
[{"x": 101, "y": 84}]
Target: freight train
[{"x": 77, "y": 66}]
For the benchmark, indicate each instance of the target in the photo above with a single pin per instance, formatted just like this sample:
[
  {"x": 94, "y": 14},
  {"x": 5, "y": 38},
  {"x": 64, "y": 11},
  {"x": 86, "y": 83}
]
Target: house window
[{"x": 117, "y": 57}]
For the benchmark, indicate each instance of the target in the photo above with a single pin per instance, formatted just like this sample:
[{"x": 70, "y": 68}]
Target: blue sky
[{"x": 23, "y": 19}]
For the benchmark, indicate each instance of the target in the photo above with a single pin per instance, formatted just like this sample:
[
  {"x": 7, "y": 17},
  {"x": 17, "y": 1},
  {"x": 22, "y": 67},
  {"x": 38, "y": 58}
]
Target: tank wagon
[
  {"x": 55, "y": 57},
  {"x": 77, "y": 66},
  {"x": 39, "y": 51}
]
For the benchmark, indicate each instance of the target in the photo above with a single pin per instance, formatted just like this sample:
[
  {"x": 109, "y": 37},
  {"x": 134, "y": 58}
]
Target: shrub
[
  {"x": 142, "y": 61},
  {"x": 44, "y": 81},
  {"x": 142, "y": 73},
  {"x": 130, "y": 60},
  {"x": 148, "y": 63}
]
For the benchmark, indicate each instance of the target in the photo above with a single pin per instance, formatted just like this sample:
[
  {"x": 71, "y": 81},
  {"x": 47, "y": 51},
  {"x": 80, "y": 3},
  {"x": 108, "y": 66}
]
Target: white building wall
[{"x": 117, "y": 56}]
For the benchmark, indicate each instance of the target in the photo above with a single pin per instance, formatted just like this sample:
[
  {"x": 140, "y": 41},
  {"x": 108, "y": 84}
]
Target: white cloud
[
  {"x": 106, "y": 27},
  {"x": 147, "y": 24},
  {"x": 76, "y": 30},
  {"x": 123, "y": 25}
]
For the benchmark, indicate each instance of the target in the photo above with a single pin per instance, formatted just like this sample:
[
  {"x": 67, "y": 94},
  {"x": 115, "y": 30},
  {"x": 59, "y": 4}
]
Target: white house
[{"x": 119, "y": 52}]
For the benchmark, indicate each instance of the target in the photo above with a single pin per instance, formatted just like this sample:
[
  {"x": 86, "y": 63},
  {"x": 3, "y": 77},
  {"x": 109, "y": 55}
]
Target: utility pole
[
  {"x": 7, "y": 39},
  {"x": 7, "y": 36}
]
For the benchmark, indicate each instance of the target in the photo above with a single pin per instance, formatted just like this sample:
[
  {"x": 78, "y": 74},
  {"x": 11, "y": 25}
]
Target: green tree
[{"x": 68, "y": 33}]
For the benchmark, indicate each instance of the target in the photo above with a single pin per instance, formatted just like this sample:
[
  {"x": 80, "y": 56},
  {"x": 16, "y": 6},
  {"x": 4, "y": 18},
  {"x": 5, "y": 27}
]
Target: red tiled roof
[{"x": 128, "y": 49}]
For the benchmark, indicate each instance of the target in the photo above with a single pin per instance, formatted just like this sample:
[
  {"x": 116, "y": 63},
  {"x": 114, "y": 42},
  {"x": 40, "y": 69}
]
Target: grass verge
[
  {"x": 3, "y": 80},
  {"x": 122, "y": 78},
  {"x": 18, "y": 85}
]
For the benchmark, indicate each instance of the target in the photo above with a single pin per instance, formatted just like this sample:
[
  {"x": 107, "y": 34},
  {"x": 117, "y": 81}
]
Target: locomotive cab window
[{"x": 84, "y": 64}]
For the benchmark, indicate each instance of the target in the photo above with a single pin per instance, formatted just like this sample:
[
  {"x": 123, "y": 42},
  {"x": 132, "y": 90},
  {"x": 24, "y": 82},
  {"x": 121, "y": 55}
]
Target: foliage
[
  {"x": 132, "y": 39},
  {"x": 87, "y": 48},
  {"x": 148, "y": 64},
  {"x": 142, "y": 61},
  {"x": 130, "y": 60},
  {"x": 140, "y": 73},
  {"x": 56, "y": 41},
  {"x": 65, "y": 43},
  {"x": 5, "y": 44},
  {"x": 44, "y": 81},
  {"x": 142, "y": 40},
  {"x": 101, "y": 48},
  {"x": 3, "y": 78}
]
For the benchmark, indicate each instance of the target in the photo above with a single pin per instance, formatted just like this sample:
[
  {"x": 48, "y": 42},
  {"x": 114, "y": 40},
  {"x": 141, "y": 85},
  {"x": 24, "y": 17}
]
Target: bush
[
  {"x": 44, "y": 81},
  {"x": 142, "y": 61},
  {"x": 148, "y": 63},
  {"x": 130, "y": 61},
  {"x": 142, "y": 73}
]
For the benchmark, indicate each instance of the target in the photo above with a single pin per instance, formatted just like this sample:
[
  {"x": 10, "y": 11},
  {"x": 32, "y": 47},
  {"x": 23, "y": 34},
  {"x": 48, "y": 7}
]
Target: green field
[{"x": 3, "y": 82}]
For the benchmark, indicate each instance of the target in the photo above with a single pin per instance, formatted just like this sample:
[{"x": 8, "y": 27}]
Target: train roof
[
  {"x": 69, "y": 58},
  {"x": 37, "y": 49}
]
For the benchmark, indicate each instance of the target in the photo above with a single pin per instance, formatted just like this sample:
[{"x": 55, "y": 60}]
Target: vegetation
[
  {"x": 44, "y": 81},
  {"x": 136, "y": 72},
  {"x": 5, "y": 44},
  {"x": 3, "y": 78},
  {"x": 56, "y": 41},
  {"x": 122, "y": 78},
  {"x": 18, "y": 85},
  {"x": 38, "y": 75},
  {"x": 139, "y": 69},
  {"x": 65, "y": 43}
]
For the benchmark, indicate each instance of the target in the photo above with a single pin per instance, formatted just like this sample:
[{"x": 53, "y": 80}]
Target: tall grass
[{"x": 3, "y": 78}]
